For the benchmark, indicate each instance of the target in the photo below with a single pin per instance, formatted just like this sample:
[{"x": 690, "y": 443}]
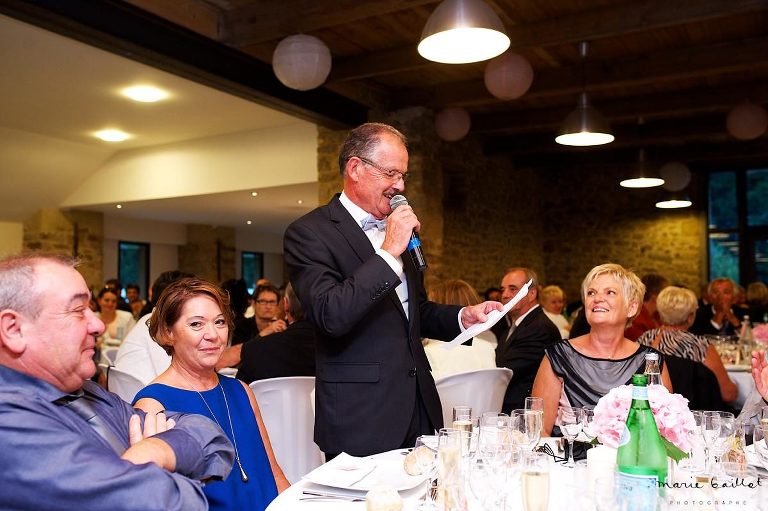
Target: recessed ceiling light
[
  {"x": 299, "y": 201},
  {"x": 144, "y": 93},
  {"x": 119, "y": 206},
  {"x": 254, "y": 194},
  {"x": 112, "y": 135},
  {"x": 249, "y": 222}
]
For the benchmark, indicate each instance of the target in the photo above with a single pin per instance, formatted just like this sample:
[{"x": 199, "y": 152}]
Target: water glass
[
  {"x": 760, "y": 443},
  {"x": 427, "y": 467},
  {"x": 710, "y": 432},
  {"x": 449, "y": 456}
]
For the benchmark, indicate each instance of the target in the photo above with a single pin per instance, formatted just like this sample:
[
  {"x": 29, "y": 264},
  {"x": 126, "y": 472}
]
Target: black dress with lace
[{"x": 587, "y": 379}]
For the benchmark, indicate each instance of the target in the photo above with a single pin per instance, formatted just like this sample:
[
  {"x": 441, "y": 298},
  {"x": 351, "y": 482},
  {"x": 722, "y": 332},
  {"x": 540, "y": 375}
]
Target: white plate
[{"x": 387, "y": 471}]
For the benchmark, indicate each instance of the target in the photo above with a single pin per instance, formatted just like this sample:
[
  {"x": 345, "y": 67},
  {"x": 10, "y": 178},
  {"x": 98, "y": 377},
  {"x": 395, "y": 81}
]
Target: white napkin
[{"x": 343, "y": 471}]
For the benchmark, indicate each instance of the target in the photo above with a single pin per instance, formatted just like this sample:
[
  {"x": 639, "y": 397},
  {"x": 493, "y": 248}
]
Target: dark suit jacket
[
  {"x": 523, "y": 353},
  {"x": 370, "y": 362},
  {"x": 702, "y": 325},
  {"x": 287, "y": 353}
]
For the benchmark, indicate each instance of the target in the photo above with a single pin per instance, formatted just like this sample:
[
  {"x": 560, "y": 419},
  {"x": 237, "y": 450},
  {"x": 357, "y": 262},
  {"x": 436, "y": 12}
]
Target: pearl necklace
[{"x": 243, "y": 475}]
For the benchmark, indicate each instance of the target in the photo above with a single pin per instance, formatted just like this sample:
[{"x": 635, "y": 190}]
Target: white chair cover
[
  {"x": 483, "y": 390},
  {"x": 286, "y": 406},
  {"x": 108, "y": 355},
  {"x": 123, "y": 384}
]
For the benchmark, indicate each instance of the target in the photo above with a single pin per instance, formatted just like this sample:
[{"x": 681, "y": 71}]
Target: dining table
[
  {"x": 741, "y": 375},
  {"x": 572, "y": 489}
]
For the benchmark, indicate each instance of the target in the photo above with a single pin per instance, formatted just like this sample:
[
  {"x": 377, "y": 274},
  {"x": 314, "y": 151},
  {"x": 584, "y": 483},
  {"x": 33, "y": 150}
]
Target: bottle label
[
  {"x": 639, "y": 392},
  {"x": 414, "y": 243},
  {"x": 626, "y": 436},
  {"x": 639, "y": 492}
]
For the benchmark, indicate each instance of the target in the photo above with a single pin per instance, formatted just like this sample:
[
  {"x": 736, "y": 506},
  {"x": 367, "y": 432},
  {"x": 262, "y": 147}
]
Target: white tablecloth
[
  {"x": 563, "y": 487},
  {"x": 746, "y": 384}
]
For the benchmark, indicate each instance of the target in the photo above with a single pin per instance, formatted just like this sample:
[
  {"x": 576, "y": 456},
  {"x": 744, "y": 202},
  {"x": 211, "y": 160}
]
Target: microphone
[{"x": 414, "y": 246}]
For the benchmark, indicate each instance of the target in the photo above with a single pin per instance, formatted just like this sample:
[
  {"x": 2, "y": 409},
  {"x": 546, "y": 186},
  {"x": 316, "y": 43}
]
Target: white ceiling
[{"x": 55, "y": 92}]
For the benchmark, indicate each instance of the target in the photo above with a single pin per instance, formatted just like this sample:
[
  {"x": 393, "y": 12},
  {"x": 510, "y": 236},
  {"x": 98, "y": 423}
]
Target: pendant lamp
[
  {"x": 641, "y": 177},
  {"x": 674, "y": 203},
  {"x": 463, "y": 31},
  {"x": 585, "y": 126}
]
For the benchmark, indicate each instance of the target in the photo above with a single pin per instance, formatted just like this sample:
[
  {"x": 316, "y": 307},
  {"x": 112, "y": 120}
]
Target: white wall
[{"x": 11, "y": 238}]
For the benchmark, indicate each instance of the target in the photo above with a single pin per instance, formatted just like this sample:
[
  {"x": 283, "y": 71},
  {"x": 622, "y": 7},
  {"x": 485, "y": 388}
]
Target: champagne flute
[
  {"x": 690, "y": 463},
  {"x": 571, "y": 423},
  {"x": 462, "y": 418},
  {"x": 710, "y": 431},
  {"x": 526, "y": 427},
  {"x": 534, "y": 403},
  {"x": 535, "y": 481}
]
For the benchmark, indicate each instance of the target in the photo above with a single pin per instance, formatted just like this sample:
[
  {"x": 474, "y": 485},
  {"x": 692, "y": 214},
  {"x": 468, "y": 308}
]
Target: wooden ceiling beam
[
  {"x": 702, "y": 100},
  {"x": 591, "y": 25},
  {"x": 259, "y": 22},
  {"x": 709, "y": 128},
  {"x": 696, "y": 62}
]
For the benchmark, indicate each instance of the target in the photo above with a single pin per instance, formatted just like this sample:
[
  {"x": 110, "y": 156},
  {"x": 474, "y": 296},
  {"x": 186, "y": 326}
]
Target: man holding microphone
[{"x": 365, "y": 296}]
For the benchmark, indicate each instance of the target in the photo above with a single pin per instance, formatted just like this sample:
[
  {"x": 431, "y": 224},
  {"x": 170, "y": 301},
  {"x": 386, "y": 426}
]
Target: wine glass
[
  {"x": 571, "y": 422},
  {"x": 760, "y": 443},
  {"x": 710, "y": 431},
  {"x": 426, "y": 464},
  {"x": 691, "y": 463},
  {"x": 589, "y": 430},
  {"x": 535, "y": 481},
  {"x": 526, "y": 428}
]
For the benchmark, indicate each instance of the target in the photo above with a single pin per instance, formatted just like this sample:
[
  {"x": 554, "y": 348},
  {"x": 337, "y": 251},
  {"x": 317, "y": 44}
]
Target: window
[
  {"x": 738, "y": 225},
  {"x": 133, "y": 264},
  {"x": 252, "y": 268}
]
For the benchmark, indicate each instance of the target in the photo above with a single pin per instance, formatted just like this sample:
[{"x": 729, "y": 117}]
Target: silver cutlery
[{"x": 316, "y": 495}]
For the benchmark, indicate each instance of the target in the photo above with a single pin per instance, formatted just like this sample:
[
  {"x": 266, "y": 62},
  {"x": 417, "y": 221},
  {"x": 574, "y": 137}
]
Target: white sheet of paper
[{"x": 493, "y": 318}]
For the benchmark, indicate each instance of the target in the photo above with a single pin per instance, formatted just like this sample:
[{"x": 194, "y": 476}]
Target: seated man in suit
[
  {"x": 719, "y": 317},
  {"x": 521, "y": 348},
  {"x": 65, "y": 442},
  {"x": 287, "y": 353}
]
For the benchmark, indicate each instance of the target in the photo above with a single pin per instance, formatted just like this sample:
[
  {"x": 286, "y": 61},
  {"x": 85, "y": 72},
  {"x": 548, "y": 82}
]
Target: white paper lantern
[
  {"x": 676, "y": 176},
  {"x": 508, "y": 76},
  {"x": 452, "y": 124},
  {"x": 301, "y": 62},
  {"x": 747, "y": 121}
]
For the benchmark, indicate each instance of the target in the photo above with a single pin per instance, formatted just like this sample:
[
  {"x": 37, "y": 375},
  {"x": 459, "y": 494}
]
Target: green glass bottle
[{"x": 641, "y": 460}]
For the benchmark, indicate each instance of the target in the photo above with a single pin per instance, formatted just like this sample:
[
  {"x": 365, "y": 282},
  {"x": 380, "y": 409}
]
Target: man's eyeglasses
[
  {"x": 391, "y": 174},
  {"x": 266, "y": 302}
]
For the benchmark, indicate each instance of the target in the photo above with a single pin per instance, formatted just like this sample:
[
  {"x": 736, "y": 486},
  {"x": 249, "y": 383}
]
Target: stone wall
[
  {"x": 76, "y": 233},
  {"x": 481, "y": 214},
  {"x": 209, "y": 253}
]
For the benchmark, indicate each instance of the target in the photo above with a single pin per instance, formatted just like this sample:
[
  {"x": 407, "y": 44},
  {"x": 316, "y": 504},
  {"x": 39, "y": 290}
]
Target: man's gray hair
[
  {"x": 362, "y": 140},
  {"x": 18, "y": 281}
]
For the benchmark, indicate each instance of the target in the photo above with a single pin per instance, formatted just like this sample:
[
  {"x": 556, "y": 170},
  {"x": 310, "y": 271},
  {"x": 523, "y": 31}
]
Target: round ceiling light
[{"x": 301, "y": 62}]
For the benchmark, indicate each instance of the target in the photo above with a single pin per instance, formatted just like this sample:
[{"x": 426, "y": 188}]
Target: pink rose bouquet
[
  {"x": 673, "y": 418},
  {"x": 760, "y": 333}
]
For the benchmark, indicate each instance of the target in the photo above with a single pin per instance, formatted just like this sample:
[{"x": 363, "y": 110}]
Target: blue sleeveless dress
[{"x": 232, "y": 493}]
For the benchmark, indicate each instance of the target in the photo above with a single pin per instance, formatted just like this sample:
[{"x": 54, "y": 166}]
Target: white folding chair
[
  {"x": 123, "y": 384},
  {"x": 287, "y": 409},
  {"x": 483, "y": 390}
]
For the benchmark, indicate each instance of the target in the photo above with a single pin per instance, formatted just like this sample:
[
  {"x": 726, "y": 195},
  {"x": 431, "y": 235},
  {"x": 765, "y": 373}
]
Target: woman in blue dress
[{"x": 191, "y": 321}]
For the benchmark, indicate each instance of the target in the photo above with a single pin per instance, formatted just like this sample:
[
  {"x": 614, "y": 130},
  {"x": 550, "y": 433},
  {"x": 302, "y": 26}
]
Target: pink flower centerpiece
[
  {"x": 673, "y": 418},
  {"x": 760, "y": 333}
]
